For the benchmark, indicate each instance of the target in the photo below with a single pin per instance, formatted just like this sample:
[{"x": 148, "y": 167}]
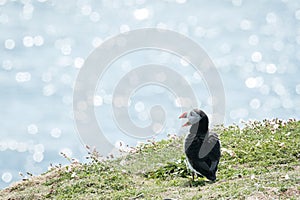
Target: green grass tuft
[{"x": 259, "y": 161}]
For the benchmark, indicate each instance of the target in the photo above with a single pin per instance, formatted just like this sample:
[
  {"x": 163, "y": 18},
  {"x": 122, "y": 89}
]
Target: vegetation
[{"x": 259, "y": 161}]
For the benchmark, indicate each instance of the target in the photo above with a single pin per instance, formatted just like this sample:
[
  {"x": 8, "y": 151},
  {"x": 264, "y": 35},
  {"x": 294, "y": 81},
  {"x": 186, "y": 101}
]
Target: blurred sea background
[{"x": 43, "y": 45}]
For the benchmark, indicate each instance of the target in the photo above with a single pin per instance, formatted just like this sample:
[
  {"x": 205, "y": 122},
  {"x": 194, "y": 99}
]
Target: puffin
[{"x": 201, "y": 146}]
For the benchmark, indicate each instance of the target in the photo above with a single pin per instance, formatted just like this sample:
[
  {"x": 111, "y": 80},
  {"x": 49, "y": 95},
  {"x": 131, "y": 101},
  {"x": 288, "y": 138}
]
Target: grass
[{"x": 259, "y": 161}]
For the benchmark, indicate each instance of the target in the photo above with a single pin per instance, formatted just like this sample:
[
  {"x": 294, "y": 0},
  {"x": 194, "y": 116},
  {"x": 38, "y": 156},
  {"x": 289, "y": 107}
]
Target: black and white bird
[{"x": 202, "y": 147}]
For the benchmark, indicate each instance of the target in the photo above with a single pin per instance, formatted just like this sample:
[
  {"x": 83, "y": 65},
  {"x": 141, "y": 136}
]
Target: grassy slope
[{"x": 259, "y": 161}]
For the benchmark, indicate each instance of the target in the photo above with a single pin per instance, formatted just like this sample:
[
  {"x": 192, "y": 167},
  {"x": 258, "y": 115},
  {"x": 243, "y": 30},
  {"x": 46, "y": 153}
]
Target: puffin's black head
[{"x": 198, "y": 118}]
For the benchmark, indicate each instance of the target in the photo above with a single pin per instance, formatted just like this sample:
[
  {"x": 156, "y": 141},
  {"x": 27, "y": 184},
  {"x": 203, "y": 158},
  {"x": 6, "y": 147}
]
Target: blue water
[{"x": 254, "y": 45}]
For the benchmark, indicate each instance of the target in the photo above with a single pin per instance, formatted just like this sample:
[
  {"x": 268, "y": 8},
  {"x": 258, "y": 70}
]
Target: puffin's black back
[
  {"x": 203, "y": 123},
  {"x": 195, "y": 138}
]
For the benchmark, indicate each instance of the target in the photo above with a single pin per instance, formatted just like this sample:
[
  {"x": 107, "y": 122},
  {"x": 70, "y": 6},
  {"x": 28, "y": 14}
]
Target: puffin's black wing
[
  {"x": 200, "y": 166},
  {"x": 203, "y": 155},
  {"x": 215, "y": 154},
  {"x": 210, "y": 147}
]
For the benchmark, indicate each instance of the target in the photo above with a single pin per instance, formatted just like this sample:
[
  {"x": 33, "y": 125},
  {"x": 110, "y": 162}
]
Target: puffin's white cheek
[{"x": 194, "y": 119}]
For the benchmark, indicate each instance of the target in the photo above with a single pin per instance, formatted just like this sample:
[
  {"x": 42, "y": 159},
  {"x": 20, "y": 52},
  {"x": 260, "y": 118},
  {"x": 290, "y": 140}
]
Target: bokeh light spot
[
  {"x": 279, "y": 89},
  {"x": 32, "y": 129},
  {"x": 254, "y": 103},
  {"x": 6, "y": 177},
  {"x": 28, "y": 41},
  {"x": 38, "y": 156},
  {"x": 183, "y": 62},
  {"x": 86, "y": 10},
  {"x": 253, "y": 40},
  {"x": 271, "y": 68},
  {"x": 55, "y": 132},
  {"x": 271, "y": 18},
  {"x": 98, "y": 100},
  {"x": 66, "y": 49},
  {"x": 253, "y": 82},
  {"x": 49, "y": 90},
  {"x": 9, "y": 44},
  {"x": 124, "y": 28},
  {"x": 94, "y": 16},
  {"x": 7, "y": 65},
  {"x": 96, "y": 42},
  {"x": 141, "y": 14},
  {"x": 256, "y": 56},
  {"x": 246, "y": 24},
  {"x": 139, "y": 106},
  {"x": 78, "y": 62},
  {"x": 23, "y": 76},
  {"x": 38, "y": 40}
]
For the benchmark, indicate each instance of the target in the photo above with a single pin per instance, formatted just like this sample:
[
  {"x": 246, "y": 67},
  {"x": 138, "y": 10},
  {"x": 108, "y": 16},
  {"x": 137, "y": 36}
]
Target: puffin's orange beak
[{"x": 183, "y": 115}]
